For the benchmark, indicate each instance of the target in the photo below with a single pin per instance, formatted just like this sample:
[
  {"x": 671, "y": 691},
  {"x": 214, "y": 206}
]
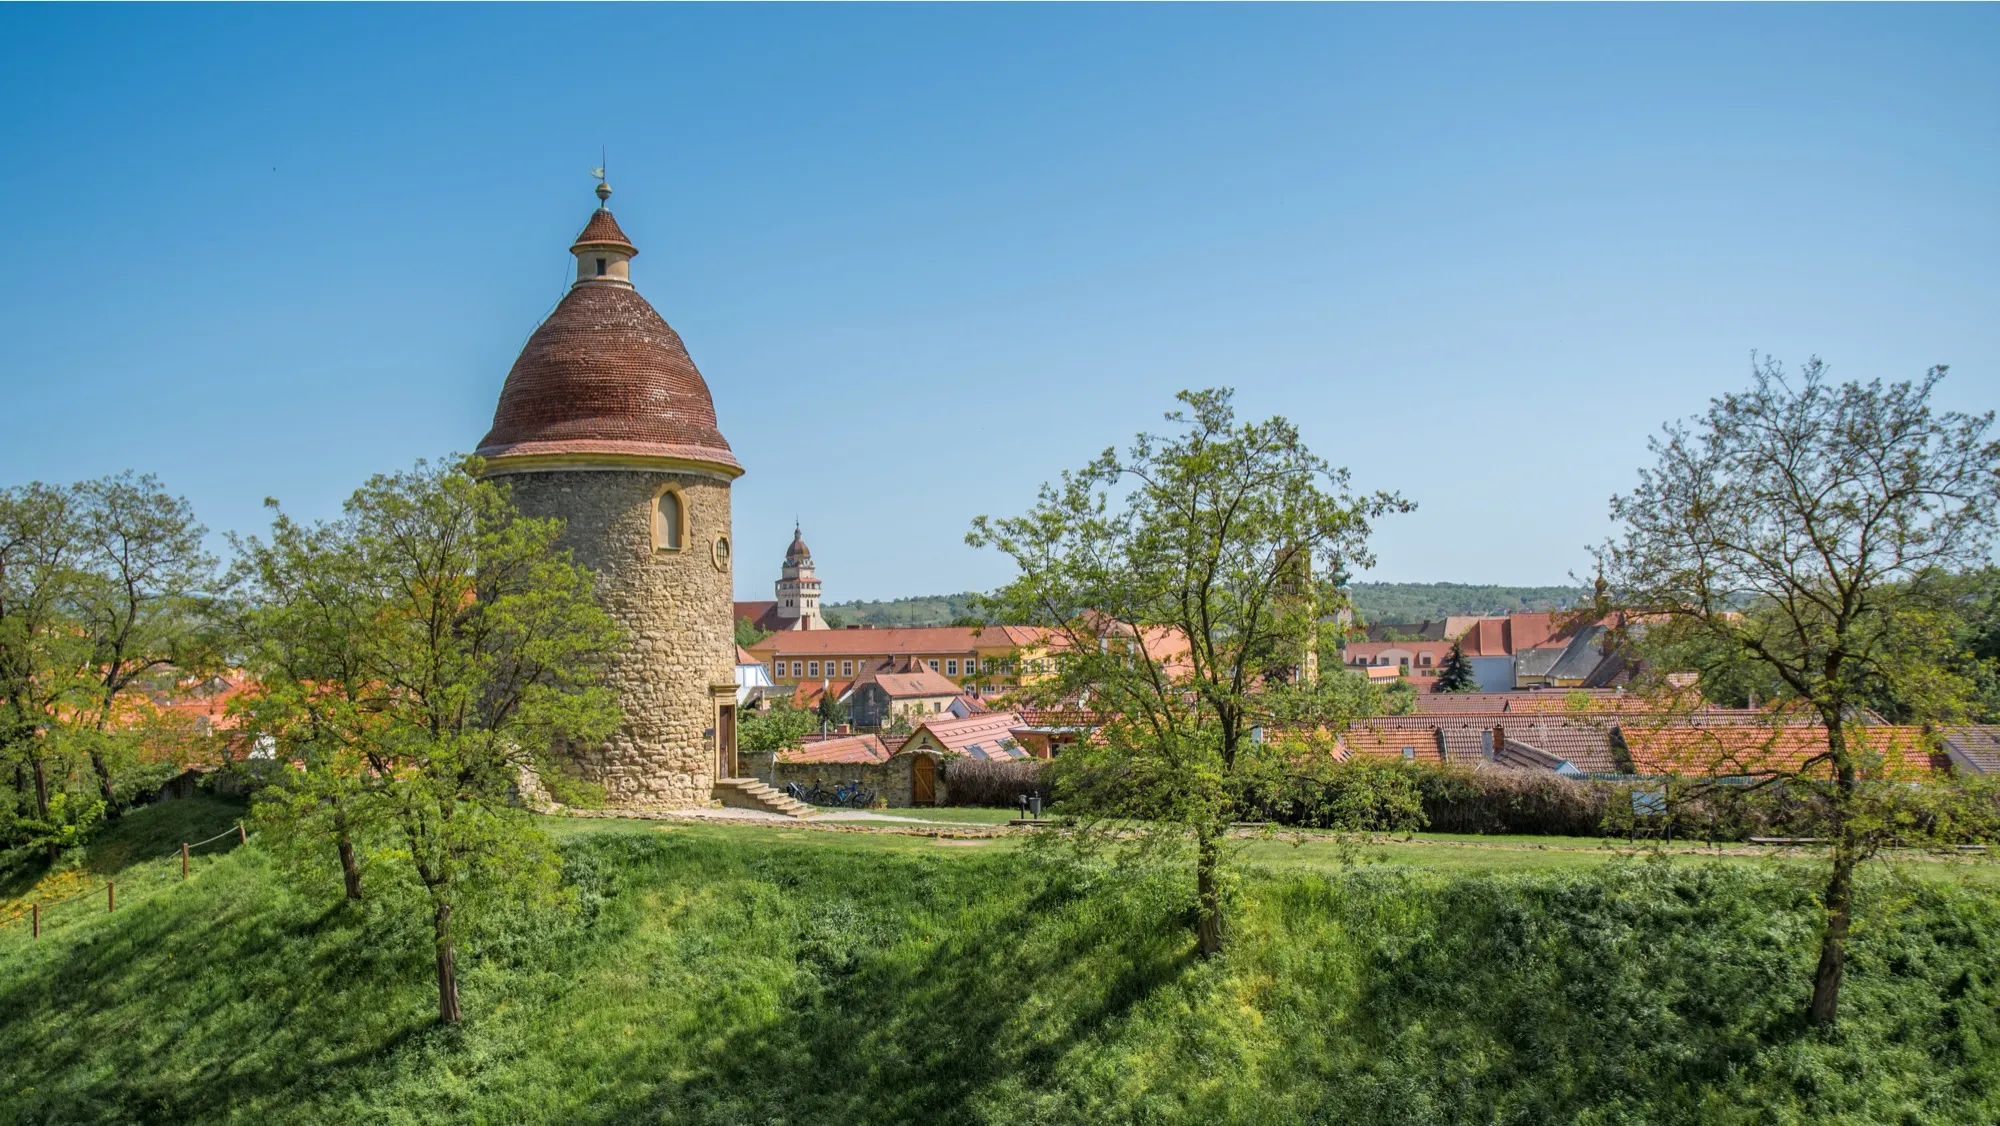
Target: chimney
[{"x": 1499, "y": 737}]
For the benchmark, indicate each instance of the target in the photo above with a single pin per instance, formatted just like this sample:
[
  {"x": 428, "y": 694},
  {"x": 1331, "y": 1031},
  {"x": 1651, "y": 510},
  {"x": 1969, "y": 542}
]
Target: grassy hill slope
[{"x": 719, "y": 975}]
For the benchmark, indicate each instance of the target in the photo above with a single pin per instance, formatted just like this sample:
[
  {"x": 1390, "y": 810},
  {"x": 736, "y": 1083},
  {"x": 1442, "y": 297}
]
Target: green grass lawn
[
  {"x": 952, "y": 814},
  {"x": 736, "y": 974}
]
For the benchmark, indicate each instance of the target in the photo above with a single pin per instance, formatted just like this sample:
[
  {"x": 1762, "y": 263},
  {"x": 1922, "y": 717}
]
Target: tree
[
  {"x": 102, "y": 586},
  {"x": 1177, "y": 580},
  {"x": 425, "y": 653},
  {"x": 1810, "y": 529},
  {"x": 1456, "y": 676},
  {"x": 780, "y": 727},
  {"x": 832, "y": 713},
  {"x": 142, "y": 601},
  {"x": 747, "y": 633}
]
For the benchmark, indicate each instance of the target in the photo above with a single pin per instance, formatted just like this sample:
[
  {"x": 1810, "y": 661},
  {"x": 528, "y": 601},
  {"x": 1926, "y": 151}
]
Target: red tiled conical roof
[
  {"x": 602, "y": 230},
  {"x": 605, "y": 375}
]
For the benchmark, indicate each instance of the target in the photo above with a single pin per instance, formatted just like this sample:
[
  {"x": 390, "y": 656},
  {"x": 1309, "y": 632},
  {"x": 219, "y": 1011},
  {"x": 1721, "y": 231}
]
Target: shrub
[
  {"x": 1463, "y": 800},
  {"x": 998, "y": 785}
]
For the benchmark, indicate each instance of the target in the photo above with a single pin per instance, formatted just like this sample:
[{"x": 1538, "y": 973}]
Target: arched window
[{"x": 669, "y": 522}]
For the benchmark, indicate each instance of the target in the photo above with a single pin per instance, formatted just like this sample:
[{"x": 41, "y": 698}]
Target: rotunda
[{"x": 605, "y": 422}]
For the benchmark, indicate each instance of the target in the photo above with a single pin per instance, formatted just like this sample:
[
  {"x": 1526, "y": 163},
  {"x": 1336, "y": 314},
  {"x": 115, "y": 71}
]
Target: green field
[{"x": 726, "y": 974}]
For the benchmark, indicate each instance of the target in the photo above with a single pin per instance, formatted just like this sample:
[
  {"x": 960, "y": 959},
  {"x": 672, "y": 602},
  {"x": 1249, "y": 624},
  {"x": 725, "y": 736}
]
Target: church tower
[
  {"x": 798, "y": 588},
  {"x": 605, "y": 423}
]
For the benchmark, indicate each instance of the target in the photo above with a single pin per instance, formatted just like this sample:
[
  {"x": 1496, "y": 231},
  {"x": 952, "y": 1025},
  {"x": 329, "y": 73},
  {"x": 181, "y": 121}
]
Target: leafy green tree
[
  {"x": 103, "y": 585},
  {"x": 469, "y": 647},
  {"x": 1173, "y": 577},
  {"x": 1811, "y": 529},
  {"x": 831, "y": 712},
  {"x": 1456, "y": 676},
  {"x": 779, "y": 727},
  {"x": 143, "y": 604},
  {"x": 747, "y": 633}
]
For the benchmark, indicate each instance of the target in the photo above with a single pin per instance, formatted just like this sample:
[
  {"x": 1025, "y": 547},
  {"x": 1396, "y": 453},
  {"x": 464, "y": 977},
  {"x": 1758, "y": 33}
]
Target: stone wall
[
  {"x": 890, "y": 780},
  {"x": 674, "y": 608}
]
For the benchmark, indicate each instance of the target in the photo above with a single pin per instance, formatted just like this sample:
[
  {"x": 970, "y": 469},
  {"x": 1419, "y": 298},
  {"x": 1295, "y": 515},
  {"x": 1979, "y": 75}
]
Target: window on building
[
  {"x": 1409, "y": 752},
  {"x": 951, "y": 668},
  {"x": 798, "y": 668},
  {"x": 812, "y": 668},
  {"x": 847, "y": 668},
  {"x": 600, "y": 267},
  {"x": 1427, "y": 658},
  {"x": 672, "y": 521},
  {"x": 932, "y": 664}
]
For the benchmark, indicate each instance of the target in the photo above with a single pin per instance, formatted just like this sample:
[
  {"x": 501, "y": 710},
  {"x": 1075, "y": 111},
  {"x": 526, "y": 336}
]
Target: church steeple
[{"x": 798, "y": 587}]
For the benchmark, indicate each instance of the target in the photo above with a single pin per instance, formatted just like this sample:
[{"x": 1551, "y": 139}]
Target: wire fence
[{"x": 34, "y": 911}]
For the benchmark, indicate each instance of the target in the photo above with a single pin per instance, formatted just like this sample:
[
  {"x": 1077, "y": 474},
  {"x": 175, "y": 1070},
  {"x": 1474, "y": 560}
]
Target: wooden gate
[
  {"x": 725, "y": 742},
  {"x": 923, "y": 780}
]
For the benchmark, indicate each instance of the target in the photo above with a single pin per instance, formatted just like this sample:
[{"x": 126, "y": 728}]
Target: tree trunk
[
  {"x": 447, "y": 972},
  {"x": 1839, "y": 906},
  {"x": 1825, "y": 1008},
  {"x": 104, "y": 785},
  {"x": 53, "y": 850},
  {"x": 41, "y": 792},
  {"x": 350, "y": 872},
  {"x": 1208, "y": 892}
]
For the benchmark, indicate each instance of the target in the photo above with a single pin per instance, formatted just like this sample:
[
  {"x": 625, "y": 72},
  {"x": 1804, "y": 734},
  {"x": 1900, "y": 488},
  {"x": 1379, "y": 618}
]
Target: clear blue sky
[{"x": 927, "y": 257}]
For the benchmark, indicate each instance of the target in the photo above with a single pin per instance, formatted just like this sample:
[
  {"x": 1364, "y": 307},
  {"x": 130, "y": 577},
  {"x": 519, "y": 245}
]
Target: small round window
[{"x": 721, "y": 553}]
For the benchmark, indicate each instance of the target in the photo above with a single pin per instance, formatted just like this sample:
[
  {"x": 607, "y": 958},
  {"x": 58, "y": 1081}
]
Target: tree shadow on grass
[
  {"x": 917, "y": 1031},
  {"x": 241, "y": 991}
]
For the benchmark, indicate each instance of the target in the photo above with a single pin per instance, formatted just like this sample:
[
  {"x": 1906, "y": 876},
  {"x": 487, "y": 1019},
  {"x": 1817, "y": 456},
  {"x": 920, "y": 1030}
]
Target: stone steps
[{"x": 750, "y": 793}]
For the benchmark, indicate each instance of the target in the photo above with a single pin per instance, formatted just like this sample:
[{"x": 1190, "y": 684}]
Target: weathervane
[{"x": 603, "y": 185}]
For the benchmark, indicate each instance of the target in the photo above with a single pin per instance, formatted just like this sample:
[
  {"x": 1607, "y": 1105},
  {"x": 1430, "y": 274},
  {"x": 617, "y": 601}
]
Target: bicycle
[{"x": 854, "y": 794}]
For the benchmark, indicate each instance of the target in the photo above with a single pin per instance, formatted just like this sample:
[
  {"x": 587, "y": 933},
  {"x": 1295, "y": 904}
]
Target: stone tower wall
[{"x": 674, "y": 608}]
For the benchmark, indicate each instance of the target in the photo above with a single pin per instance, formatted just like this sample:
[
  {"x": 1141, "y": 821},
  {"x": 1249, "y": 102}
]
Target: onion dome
[
  {"x": 605, "y": 380},
  {"x": 798, "y": 554}
]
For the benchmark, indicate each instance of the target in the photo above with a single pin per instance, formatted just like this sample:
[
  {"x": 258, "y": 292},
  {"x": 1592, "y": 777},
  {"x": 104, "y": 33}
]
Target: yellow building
[{"x": 982, "y": 661}]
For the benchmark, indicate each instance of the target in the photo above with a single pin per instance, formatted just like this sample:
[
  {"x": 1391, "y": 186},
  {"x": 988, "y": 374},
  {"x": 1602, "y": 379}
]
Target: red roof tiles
[
  {"x": 604, "y": 374},
  {"x": 1727, "y": 750},
  {"x": 852, "y": 748},
  {"x": 602, "y": 230}
]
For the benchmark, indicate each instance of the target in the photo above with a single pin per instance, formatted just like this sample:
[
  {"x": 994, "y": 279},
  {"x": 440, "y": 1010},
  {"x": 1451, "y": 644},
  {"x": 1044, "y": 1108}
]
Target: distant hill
[
  {"x": 920, "y": 610},
  {"x": 1416, "y": 602},
  {"x": 1377, "y": 602}
]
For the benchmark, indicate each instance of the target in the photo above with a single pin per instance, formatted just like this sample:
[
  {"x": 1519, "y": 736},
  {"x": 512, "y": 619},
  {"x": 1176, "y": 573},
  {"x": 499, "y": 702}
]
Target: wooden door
[
  {"x": 923, "y": 780},
  {"x": 725, "y": 742}
]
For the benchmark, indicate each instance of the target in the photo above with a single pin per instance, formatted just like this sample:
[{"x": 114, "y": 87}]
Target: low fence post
[
  {"x": 241, "y": 836},
  {"x": 38, "y": 918},
  {"x": 184, "y": 860},
  {"x": 111, "y": 895}
]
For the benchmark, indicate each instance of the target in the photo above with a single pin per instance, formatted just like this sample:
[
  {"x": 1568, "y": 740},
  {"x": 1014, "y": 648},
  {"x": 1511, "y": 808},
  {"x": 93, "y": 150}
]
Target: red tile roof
[
  {"x": 920, "y": 685},
  {"x": 1369, "y": 741},
  {"x": 604, "y": 374},
  {"x": 851, "y": 748},
  {"x": 602, "y": 230},
  {"x": 916, "y": 641},
  {"x": 1726, "y": 750},
  {"x": 981, "y": 736}
]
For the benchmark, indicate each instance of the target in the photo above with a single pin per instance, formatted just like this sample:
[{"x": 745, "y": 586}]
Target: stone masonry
[{"x": 674, "y": 608}]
